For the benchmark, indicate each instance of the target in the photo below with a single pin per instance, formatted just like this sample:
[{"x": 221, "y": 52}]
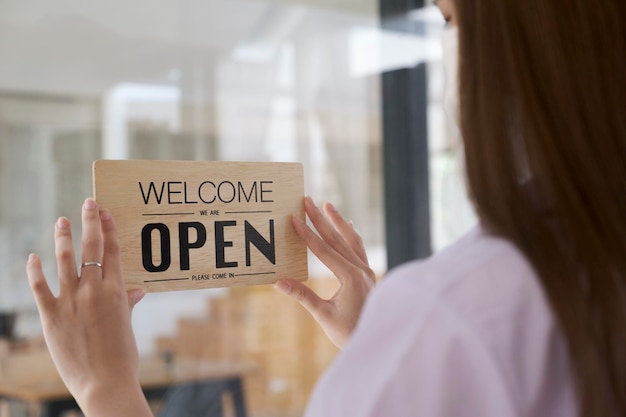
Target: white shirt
[{"x": 466, "y": 333}]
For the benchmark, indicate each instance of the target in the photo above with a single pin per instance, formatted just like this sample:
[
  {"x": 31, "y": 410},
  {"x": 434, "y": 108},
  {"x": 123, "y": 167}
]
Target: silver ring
[{"x": 84, "y": 264}]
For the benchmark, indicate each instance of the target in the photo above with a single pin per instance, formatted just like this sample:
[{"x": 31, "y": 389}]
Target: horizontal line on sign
[
  {"x": 166, "y": 279},
  {"x": 247, "y": 212},
  {"x": 167, "y": 214},
  {"x": 257, "y": 273}
]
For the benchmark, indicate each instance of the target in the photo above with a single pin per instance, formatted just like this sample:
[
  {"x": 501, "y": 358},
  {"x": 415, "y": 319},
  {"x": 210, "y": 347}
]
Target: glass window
[{"x": 209, "y": 80}]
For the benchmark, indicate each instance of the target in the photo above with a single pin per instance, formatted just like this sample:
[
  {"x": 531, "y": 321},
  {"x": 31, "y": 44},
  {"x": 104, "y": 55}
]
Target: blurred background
[{"x": 352, "y": 89}]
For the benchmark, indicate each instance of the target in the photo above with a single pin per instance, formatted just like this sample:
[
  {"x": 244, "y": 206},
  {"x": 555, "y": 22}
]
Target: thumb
[
  {"x": 303, "y": 294},
  {"x": 134, "y": 296}
]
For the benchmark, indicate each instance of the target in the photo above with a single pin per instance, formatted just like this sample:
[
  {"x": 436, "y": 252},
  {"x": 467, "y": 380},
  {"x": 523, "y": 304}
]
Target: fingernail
[
  {"x": 283, "y": 286},
  {"x": 331, "y": 207},
  {"x": 32, "y": 258},
  {"x": 105, "y": 215},
  {"x": 90, "y": 204},
  {"x": 63, "y": 223},
  {"x": 298, "y": 219},
  {"x": 309, "y": 201}
]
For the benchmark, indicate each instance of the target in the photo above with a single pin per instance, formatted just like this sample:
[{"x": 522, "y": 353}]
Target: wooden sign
[{"x": 186, "y": 224}]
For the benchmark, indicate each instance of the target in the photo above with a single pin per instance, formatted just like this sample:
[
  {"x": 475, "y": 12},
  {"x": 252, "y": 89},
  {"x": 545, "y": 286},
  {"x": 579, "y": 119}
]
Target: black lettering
[
  {"x": 243, "y": 191},
  {"x": 170, "y": 192},
  {"x": 185, "y": 244},
  {"x": 221, "y": 244},
  {"x": 200, "y": 192},
  {"x": 263, "y": 190},
  {"x": 146, "y": 247},
  {"x": 185, "y": 194},
  {"x": 152, "y": 189},
  {"x": 267, "y": 248},
  {"x": 219, "y": 191}
]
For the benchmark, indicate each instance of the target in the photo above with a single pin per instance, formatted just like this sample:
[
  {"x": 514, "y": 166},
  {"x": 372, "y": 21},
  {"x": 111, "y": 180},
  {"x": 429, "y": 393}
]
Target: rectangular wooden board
[{"x": 188, "y": 224}]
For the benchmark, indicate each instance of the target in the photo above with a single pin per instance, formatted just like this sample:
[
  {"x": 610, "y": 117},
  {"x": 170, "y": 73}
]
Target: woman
[{"x": 525, "y": 316}]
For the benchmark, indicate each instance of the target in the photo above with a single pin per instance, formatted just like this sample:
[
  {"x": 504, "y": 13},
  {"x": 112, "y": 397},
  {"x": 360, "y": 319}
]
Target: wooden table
[{"x": 156, "y": 379}]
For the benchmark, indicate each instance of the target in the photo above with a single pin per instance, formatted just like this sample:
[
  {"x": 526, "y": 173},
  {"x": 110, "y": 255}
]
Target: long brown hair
[{"x": 543, "y": 116}]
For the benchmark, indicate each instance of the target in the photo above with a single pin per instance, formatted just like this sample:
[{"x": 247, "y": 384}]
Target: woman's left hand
[
  {"x": 87, "y": 327},
  {"x": 341, "y": 249}
]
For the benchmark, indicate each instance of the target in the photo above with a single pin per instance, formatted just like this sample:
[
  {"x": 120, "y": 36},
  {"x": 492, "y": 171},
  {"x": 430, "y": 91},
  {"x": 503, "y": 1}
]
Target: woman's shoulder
[
  {"x": 482, "y": 280},
  {"x": 473, "y": 255},
  {"x": 468, "y": 331},
  {"x": 478, "y": 275}
]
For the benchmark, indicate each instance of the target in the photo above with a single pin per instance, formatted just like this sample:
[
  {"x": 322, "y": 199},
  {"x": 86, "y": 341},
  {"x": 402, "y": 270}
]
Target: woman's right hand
[
  {"x": 87, "y": 327},
  {"x": 341, "y": 249}
]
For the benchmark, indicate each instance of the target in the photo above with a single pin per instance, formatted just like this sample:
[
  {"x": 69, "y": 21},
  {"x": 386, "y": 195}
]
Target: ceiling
[{"x": 78, "y": 47}]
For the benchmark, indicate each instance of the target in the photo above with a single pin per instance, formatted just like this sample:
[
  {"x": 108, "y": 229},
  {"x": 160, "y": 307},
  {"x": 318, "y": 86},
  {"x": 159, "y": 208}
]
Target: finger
[
  {"x": 92, "y": 239},
  {"x": 134, "y": 297},
  {"x": 39, "y": 285},
  {"x": 64, "y": 251},
  {"x": 338, "y": 264},
  {"x": 329, "y": 234},
  {"x": 111, "y": 261},
  {"x": 347, "y": 231},
  {"x": 315, "y": 305}
]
